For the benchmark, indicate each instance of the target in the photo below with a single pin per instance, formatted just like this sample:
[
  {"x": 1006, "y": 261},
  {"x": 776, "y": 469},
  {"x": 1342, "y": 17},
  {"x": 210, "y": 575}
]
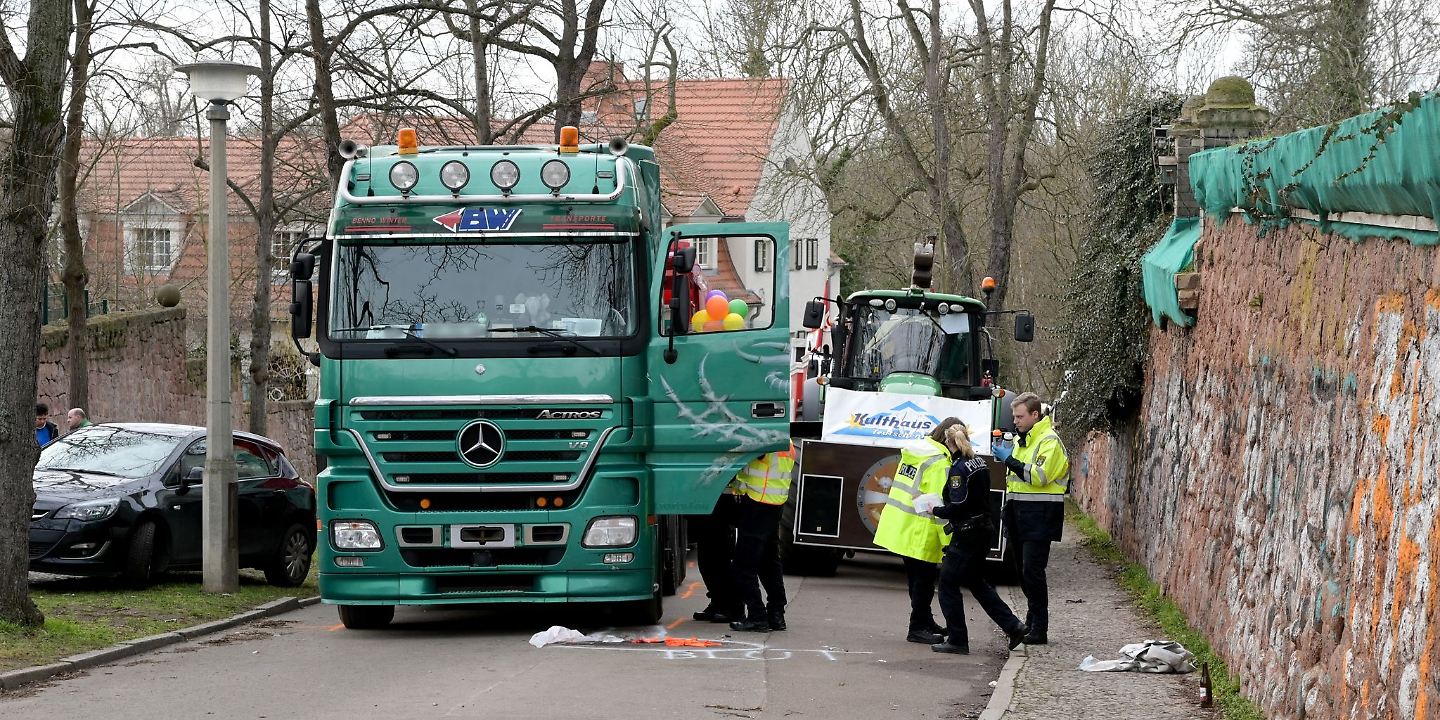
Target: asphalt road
[{"x": 844, "y": 657}]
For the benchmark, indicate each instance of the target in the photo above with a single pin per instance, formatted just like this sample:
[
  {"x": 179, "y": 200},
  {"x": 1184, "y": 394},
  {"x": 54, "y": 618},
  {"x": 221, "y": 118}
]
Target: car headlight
[
  {"x": 92, "y": 510},
  {"x": 610, "y": 532},
  {"x": 356, "y": 535}
]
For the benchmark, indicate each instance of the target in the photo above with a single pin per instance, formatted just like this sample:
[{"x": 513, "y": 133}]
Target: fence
[{"x": 54, "y": 307}]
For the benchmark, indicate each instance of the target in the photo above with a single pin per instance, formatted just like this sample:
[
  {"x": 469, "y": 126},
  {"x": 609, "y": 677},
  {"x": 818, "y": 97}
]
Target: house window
[
  {"x": 797, "y": 254},
  {"x": 762, "y": 256},
  {"x": 154, "y": 233},
  {"x": 282, "y": 244},
  {"x": 705, "y": 253},
  {"x": 151, "y": 250},
  {"x": 812, "y": 253}
]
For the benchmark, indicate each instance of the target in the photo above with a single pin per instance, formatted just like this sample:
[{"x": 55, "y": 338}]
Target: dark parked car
[{"x": 125, "y": 499}]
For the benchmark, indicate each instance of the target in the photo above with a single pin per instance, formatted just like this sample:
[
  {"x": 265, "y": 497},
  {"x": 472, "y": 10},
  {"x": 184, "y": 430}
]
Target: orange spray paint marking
[
  {"x": 690, "y": 590},
  {"x": 678, "y": 622},
  {"x": 333, "y": 628}
]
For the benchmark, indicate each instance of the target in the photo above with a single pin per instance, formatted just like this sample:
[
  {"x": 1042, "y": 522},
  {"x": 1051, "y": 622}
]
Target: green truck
[
  {"x": 901, "y": 361},
  {"x": 513, "y": 404}
]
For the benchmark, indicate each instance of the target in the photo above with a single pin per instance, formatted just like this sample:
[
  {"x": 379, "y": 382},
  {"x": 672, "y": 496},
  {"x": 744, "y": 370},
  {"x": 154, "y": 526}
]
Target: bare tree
[
  {"x": 1318, "y": 62},
  {"x": 926, "y": 150},
  {"x": 36, "y": 86}
]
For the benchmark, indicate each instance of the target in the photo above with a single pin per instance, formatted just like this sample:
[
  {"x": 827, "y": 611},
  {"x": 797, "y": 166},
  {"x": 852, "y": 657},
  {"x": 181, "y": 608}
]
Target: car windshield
[
  {"x": 114, "y": 452},
  {"x": 483, "y": 289},
  {"x": 911, "y": 340}
]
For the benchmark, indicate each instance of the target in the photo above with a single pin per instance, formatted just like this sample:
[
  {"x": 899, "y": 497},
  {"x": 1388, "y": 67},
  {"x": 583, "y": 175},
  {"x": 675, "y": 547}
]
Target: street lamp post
[{"x": 221, "y": 83}]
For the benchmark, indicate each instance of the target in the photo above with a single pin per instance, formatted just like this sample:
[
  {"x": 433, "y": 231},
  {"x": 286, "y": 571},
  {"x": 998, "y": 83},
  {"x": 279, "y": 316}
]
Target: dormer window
[{"x": 154, "y": 232}]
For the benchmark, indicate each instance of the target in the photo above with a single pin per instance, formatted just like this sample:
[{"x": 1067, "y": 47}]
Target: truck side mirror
[
  {"x": 1024, "y": 327},
  {"x": 814, "y": 314},
  {"x": 301, "y": 310},
  {"x": 682, "y": 263},
  {"x": 302, "y": 267}
]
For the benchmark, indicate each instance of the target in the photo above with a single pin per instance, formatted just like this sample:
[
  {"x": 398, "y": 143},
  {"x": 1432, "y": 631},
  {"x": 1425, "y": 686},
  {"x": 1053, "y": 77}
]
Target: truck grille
[
  {"x": 417, "y": 447},
  {"x": 514, "y": 456}
]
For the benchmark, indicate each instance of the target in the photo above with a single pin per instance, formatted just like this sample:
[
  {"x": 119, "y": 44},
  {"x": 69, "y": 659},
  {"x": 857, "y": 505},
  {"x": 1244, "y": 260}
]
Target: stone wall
[
  {"x": 139, "y": 372},
  {"x": 1281, "y": 481}
]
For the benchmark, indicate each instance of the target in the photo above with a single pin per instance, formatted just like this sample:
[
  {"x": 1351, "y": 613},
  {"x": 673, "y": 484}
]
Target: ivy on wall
[{"x": 1105, "y": 330}]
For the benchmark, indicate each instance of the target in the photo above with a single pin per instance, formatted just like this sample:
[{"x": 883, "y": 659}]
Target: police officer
[
  {"x": 1039, "y": 474},
  {"x": 915, "y": 536},
  {"x": 966, "y": 509},
  {"x": 765, "y": 485}
]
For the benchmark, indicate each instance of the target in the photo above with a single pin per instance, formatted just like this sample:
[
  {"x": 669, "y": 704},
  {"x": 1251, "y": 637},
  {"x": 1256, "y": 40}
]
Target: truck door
[{"x": 719, "y": 396}]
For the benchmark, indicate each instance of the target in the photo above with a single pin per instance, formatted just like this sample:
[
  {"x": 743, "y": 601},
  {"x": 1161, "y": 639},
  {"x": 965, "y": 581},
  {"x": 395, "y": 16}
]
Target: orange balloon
[{"x": 717, "y": 307}]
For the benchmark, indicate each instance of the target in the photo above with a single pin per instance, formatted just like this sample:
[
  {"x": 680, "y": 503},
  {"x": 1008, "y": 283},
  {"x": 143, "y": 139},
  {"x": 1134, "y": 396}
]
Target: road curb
[
  {"x": 1004, "y": 688},
  {"x": 14, "y": 679}
]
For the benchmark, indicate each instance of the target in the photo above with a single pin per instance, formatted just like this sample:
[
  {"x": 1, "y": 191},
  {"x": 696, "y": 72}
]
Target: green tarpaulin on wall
[
  {"x": 1169, "y": 256},
  {"x": 1384, "y": 162}
]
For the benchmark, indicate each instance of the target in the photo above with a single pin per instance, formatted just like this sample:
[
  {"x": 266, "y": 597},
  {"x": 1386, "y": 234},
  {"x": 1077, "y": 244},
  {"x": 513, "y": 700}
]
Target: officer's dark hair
[
  {"x": 41, "y": 409},
  {"x": 938, "y": 434}
]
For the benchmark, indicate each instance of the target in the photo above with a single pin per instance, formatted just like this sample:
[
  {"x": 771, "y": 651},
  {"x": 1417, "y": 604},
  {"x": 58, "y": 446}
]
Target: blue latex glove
[{"x": 1001, "y": 453}]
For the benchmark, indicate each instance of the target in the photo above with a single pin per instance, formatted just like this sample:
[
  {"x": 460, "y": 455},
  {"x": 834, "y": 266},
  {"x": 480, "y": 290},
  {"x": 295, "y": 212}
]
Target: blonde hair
[{"x": 957, "y": 437}]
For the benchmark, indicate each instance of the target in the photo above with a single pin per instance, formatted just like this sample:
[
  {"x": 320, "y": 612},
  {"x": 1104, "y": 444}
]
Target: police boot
[
  {"x": 717, "y": 615},
  {"x": 777, "y": 620},
  {"x": 751, "y": 625},
  {"x": 956, "y": 647}
]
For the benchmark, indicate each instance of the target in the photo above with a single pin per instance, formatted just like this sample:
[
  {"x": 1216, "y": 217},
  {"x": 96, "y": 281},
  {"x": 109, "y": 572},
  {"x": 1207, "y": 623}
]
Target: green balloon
[{"x": 739, "y": 307}]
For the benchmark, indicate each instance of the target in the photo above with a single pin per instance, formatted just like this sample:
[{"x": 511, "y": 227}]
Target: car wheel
[
  {"x": 291, "y": 563},
  {"x": 366, "y": 617},
  {"x": 142, "y": 560}
]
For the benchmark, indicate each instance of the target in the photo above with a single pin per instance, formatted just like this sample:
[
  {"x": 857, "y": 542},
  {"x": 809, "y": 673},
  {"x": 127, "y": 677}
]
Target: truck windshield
[
  {"x": 910, "y": 340},
  {"x": 483, "y": 290}
]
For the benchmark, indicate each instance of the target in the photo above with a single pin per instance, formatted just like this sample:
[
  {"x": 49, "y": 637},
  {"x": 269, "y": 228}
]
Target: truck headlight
[
  {"x": 555, "y": 174},
  {"x": 87, "y": 511},
  {"x": 615, "y": 531},
  {"x": 356, "y": 535},
  {"x": 403, "y": 176}
]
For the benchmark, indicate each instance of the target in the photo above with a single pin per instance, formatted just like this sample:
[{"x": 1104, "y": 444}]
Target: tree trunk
[
  {"x": 324, "y": 91},
  {"x": 76, "y": 275},
  {"x": 478, "y": 48},
  {"x": 1343, "y": 75},
  {"x": 264, "y": 232},
  {"x": 27, "y": 173}
]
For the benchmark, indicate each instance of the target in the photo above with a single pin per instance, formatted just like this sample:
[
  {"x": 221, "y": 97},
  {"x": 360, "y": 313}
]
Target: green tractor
[{"x": 901, "y": 361}]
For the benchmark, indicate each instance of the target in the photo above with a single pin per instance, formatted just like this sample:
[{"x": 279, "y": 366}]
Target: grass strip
[
  {"x": 83, "y": 614},
  {"x": 1167, "y": 614}
]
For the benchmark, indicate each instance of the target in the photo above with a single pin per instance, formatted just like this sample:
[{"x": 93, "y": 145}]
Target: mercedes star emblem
[{"x": 481, "y": 443}]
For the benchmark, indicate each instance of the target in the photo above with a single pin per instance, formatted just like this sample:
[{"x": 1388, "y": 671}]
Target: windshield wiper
[
  {"x": 549, "y": 333},
  {"x": 409, "y": 331},
  {"x": 81, "y": 470}
]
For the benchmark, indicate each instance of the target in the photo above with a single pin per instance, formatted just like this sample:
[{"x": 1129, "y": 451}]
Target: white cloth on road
[
  {"x": 558, "y": 634},
  {"x": 1151, "y": 656}
]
